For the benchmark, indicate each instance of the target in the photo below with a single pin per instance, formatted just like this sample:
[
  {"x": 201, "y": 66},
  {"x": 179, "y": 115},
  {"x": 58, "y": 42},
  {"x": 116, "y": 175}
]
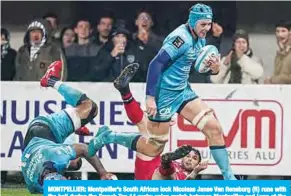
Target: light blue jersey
[
  {"x": 43, "y": 154},
  {"x": 173, "y": 89},
  {"x": 183, "y": 50},
  {"x": 59, "y": 123}
]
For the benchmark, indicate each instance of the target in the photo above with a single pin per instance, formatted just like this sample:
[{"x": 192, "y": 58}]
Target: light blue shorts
[{"x": 171, "y": 102}]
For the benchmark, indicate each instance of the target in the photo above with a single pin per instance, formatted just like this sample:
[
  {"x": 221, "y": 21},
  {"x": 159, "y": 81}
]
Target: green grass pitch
[{"x": 15, "y": 192}]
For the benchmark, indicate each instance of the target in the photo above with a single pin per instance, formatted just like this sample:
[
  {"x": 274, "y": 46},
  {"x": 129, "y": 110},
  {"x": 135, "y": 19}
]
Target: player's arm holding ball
[
  {"x": 173, "y": 47},
  {"x": 208, "y": 61},
  {"x": 214, "y": 64}
]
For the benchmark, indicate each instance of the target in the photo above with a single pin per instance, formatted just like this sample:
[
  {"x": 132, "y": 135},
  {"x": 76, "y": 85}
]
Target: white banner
[{"x": 254, "y": 119}]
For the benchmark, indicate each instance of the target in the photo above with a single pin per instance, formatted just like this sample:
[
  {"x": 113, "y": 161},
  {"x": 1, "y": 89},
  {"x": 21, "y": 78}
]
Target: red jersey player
[{"x": 165, "y": 167}]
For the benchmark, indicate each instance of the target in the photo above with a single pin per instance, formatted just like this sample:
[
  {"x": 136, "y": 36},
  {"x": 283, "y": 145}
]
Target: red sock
[
  {"x": 133, "y": 110},
  {"x": 167, "y": 171}
]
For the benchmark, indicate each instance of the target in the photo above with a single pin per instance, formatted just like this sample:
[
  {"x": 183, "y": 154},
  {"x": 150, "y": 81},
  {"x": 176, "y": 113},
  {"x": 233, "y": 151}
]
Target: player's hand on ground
[
  {"x": 151, "y": 107},
  {"x": 201, "y": 166},
  {"x": 108, "y": 176}
]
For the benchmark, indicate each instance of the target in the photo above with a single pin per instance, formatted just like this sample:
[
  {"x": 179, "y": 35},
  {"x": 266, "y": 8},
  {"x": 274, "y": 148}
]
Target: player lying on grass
[
  {"x": 160, "y": 167},
  {"x": 45, "y": 155}
]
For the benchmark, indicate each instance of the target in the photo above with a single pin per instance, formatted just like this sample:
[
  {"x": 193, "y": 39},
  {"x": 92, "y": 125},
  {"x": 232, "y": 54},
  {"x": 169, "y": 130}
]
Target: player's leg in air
[
  {"x": 45, "y": 155},
  {"x": 138, "y": 142},
  {"x": 80, "y": 114},
  {"x": 60, "y": 126},
  {"x": 144, "y": 165},
  {"x": 83, "y": 111},
  {"x": 131, "y": 106},
  {"x": 54, "y": 77}
]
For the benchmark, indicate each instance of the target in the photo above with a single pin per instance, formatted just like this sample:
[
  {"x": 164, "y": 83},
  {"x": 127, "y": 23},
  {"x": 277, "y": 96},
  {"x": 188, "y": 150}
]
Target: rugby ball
[{"x": 201, "y": 64}]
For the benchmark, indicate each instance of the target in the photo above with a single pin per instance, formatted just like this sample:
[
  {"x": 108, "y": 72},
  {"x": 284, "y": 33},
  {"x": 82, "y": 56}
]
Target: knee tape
[
  {"x": 74, "y": 116},
  {"x": 158, "y": 140},
  {"x": 202, "y": 118},
  {"x": 91, "y": 115}
]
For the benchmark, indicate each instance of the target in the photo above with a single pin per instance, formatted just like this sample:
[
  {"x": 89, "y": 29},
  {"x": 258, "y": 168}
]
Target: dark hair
[
  {"x": 81, "y": 19},
  {"x": 107, "y": 14},
  {"x": 63, "y": 32},
  {"x": 120, "y": 27},
  {"x": 198, "y": 153},
  {"x": 52, "y": 15},
  {"x": 240, "y": 33},
  {"x": 285, "y": 24},
  {"x": 235, "y": 68},
  {"x": 6, "y": 33},
  {"x": 144, "y": 10}
]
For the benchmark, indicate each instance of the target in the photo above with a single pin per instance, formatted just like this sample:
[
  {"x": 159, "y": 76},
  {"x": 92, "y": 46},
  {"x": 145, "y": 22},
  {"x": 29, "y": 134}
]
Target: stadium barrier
[{"x": 254, "y": 119}]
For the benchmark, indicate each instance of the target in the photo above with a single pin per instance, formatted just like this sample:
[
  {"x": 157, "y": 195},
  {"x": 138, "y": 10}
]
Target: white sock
[{"x": 57, "y": 85}]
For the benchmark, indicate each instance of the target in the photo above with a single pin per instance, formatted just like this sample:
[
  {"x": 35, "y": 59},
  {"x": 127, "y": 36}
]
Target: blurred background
[{"x": 258, "y": 19}]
